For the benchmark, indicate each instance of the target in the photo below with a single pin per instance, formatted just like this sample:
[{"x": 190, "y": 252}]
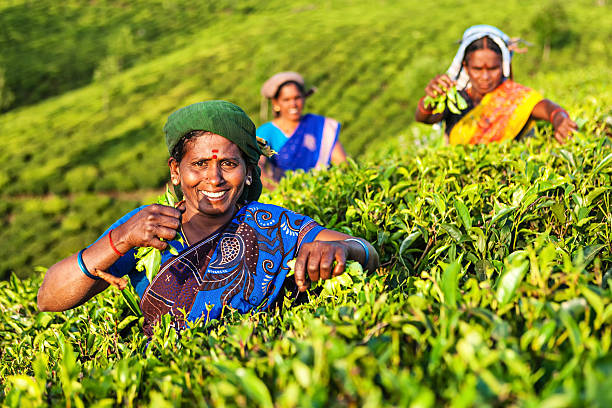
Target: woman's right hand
[
  {"x": 147, "y": 226},
  {"x": 439, "y": 85}
]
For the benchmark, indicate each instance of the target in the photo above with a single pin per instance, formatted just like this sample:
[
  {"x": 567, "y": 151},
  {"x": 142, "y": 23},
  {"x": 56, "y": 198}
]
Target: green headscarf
[{"x": 224, "y": 119}]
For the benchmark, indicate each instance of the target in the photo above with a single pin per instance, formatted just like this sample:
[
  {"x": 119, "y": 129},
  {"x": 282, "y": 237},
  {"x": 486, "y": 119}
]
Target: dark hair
[
  {"x": 297, "y": 84},
  {"x": 481, "y": 44},
  {"x": 179, "y": 148}
]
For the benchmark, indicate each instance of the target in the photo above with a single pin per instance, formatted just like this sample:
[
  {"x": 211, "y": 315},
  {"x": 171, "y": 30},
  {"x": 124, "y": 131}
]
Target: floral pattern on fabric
[
  {"x": 241, "y": 266},
  {"x": 501, "y": 115}
]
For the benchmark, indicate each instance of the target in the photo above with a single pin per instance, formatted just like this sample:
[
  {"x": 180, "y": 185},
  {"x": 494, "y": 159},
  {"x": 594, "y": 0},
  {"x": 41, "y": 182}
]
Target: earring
[
  {"x": 277, "y": 109},
  {"x": 248, "y": 180},
  {"x": 175, "y": 182}
]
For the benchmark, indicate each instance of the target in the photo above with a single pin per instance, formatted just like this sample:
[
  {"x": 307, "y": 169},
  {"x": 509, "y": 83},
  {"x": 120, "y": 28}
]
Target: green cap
[{"x": 224, "y": 119}]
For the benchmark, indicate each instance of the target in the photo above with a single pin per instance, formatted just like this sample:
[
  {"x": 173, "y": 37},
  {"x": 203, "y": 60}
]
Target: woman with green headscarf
[{"x": 230, "y": 249}]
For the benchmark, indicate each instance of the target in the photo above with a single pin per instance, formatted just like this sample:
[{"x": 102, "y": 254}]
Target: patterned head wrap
[
  {"x": 224, "y": 119},
  {"x": 456, "y": 72}
]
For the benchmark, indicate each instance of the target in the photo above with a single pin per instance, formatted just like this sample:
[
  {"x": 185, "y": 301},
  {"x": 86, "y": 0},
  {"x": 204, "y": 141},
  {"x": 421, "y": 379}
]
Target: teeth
[
  {"x": 210, "y": 194},
  {"x": 293, "y": 111}
]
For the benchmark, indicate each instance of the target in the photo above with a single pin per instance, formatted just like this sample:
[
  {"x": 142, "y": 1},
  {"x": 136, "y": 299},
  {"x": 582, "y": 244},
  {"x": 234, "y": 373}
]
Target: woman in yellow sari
[{"x": 497, "y": 108}]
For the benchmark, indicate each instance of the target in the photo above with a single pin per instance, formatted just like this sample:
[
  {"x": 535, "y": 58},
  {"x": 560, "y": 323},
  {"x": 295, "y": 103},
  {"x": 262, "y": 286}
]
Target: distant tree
[
  {"x": 551, "y": 25},
  {"x": 6, "y": 96},
  {"x": 120, "y": 47}
]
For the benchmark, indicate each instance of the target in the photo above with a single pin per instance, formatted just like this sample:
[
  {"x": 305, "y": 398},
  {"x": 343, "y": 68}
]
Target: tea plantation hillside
[
  {"x": 370, "y": 62},
  {"x": 51, "y": 47},
  {"x": 496, "y": 281},
  {"x": 495, "y": 290}
]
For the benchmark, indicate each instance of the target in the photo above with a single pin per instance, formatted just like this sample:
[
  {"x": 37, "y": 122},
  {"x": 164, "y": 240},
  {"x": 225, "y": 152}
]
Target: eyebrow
[{"x": 236, "y": 158}]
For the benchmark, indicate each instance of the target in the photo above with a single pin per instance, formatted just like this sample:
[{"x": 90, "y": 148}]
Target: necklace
[
  {"x": 184, "y": 236},
  {"x": 238, "y": 206}
]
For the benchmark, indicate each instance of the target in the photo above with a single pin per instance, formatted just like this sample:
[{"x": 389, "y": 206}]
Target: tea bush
[
  {"x": 106, "y": 136},
  {"x": 494, "y": 288},
  {"x": 370, "y": 62}
]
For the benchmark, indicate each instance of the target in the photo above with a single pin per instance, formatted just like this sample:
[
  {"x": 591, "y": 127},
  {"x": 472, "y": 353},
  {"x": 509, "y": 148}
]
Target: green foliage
[
  {"x": 6, "y": 96},
  {"x": 496, "y": 283},
  {"x": 50, "y": 48},
  {"x": 552, "y": 25},
  {"x": 43, "y": 230},
  {"x": 149, "y": 258},
  {"x": 451, "y": 99},
  {"x": 370, "y": 83},
  {"x": 443, "y": 337}
]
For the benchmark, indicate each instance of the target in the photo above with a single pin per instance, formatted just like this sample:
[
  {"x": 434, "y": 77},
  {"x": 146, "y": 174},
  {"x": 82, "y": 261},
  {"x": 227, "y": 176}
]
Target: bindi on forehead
[{"x": 214, "y": 153}]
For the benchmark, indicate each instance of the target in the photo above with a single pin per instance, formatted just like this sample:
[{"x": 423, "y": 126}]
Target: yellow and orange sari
[{"x": 501, "y": 115}]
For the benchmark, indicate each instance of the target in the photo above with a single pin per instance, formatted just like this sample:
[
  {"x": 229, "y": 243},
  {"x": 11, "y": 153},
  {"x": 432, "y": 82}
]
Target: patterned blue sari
[
  {"x": 310, "y": 146},
  {"x": 243, "y": 265}
]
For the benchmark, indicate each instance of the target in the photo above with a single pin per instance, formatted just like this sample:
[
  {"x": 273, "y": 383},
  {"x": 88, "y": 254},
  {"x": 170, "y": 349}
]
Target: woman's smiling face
[
  {"x": 290, "y": 102},
  {"x": 212, "y": 175}
]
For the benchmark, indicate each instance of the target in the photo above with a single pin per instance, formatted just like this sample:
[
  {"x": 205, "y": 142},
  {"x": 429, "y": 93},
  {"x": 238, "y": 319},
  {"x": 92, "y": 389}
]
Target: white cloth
[{"x": 456, "y": 71}]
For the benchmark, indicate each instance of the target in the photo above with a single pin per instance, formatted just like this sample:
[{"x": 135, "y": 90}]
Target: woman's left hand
[
  {"x": 564, "y": 127},
  {"x": 316, "y": 259}
]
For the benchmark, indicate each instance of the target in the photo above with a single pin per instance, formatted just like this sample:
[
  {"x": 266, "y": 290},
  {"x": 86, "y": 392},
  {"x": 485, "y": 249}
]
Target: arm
[
  {"x": 316, "y": 258},
  {"x": 435, "y": 87},
  {"x": 66, "y": 286},
  {"x": 267, "y": 179},
  {"x": 555, "y": 114},
  {"x": 338, "y": 154}
]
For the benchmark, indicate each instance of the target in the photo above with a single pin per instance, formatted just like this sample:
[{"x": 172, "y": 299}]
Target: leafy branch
[
  {"x": 452, "y": 98},
  {"x": 149, "y": 258}
]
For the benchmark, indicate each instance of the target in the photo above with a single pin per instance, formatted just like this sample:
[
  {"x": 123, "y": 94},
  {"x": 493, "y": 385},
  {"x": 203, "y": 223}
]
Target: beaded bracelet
[
  {"x": 365, "y": 248},
  {"x": 82, "y": 266}
]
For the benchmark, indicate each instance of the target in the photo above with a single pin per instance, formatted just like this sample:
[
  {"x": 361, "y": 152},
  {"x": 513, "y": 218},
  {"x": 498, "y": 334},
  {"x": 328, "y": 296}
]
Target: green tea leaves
[
  {"x": 149, "y": 258},
  {"x": 508, "y": 283},
  {"x": 449, "y": 284},
  {"x": 464, "y": 214},
  {"x": 451, "y": 99}
]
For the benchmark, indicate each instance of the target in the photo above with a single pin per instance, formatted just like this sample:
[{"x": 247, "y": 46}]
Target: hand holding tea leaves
[
  {"x": 452, "y": 98},
  {"x": 149, "y": 258},
  {"x": 352, "y": 268},
  {"x": 442, "y": 92}
]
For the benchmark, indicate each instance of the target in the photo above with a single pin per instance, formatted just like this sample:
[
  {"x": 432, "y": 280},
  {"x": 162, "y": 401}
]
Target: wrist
[
  {"x": 120, "y": 245},
  {"x": 556, "y": 113},
  {"x": 422, "y": 108},
  {"x": 361, "y": 248}
]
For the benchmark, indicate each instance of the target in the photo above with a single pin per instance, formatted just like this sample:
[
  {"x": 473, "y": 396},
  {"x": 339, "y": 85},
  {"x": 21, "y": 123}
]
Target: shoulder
[
  {"x": 266, "y": 129},
  {"x": 265, "y": 126},
  {"x": 293, "y": 226},
  {"x": 274, "y": 209},
  {"x": 311, "y": 117},
  {"x": 273, "y": 212},
  {"x": 514, "y": 86}
]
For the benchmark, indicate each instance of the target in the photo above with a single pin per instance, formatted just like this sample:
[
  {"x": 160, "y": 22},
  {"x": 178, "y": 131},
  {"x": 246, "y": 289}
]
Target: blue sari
[
  {"x": 243, "y": 266},
  {"x": 310, "y": 146}
]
